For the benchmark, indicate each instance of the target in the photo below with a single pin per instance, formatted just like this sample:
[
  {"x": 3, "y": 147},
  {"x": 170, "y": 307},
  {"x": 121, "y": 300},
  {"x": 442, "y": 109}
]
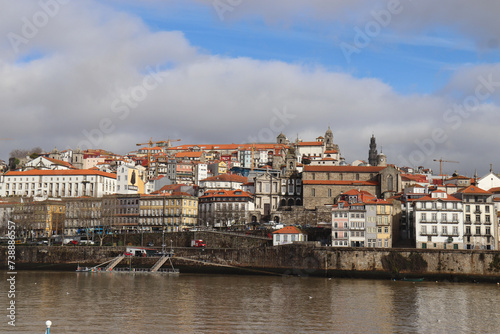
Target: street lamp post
[
  {"x": 48, "y": 323},
  {"x": 163, "y": 242}
]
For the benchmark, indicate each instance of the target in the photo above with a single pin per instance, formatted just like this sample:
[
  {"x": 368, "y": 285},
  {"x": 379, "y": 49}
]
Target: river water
[{"x": 193, "y": 303}]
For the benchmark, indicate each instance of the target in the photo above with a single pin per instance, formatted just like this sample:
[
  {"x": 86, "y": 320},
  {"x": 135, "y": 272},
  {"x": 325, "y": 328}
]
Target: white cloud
[{"x": 91, "y": 82}]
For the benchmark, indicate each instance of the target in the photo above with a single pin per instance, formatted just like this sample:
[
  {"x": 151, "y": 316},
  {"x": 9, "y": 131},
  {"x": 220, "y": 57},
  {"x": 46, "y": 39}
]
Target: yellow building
[
  {"x": 384, "y": 224},
  {"x": 172, "y": 213},
  {"x": 39, "y": 219}
]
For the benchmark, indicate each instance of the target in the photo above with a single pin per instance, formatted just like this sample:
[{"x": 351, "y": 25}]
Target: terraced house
[
  {"x": 439, "y": 221},
  {"x": 170, "y": 213},
  {"x": 359, "y": 219},
  {"x": 480, "y": 230}
]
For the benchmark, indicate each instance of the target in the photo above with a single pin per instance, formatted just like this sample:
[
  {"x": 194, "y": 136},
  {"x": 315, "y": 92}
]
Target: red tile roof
[
  {"x": 310, "y": 143},
  {"x": 459, "y": 177},
  {"x": 60, "y": 162},
  {"x": 340, "y": 183},
  {"x": 226, "y": 193},
  {"x": 226, "y": 147},
  {"x": 189, "y": 154},
  {"x": 474, "y": 190},
  {"x": 227, "y": 178},
  {"x": 414, "y": 177},
  {"x": 494, "y": 190},
  {"x": 354, "y": 169},
  {"x": 70, "y": 172},
  {"x": 428, "y": 198},
  {"x": 288, "y": 230}
]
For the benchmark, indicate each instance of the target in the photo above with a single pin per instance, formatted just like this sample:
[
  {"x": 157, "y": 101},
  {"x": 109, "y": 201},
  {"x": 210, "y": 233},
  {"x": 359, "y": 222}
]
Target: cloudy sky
[{"x": 422, "y": 76}]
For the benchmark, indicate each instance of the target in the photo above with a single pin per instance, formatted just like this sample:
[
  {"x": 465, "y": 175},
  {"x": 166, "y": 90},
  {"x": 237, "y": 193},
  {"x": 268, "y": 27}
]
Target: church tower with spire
[
  {"x": 372, "y": 153},
  {"x": 328, "y": 141}
]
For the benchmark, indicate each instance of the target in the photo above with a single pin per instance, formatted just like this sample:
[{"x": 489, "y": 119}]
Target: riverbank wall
[{"x": 294, "y": 260}]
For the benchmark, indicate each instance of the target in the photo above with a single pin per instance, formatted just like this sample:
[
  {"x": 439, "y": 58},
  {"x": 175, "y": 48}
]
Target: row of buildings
[{"x": 174, "y": 188}]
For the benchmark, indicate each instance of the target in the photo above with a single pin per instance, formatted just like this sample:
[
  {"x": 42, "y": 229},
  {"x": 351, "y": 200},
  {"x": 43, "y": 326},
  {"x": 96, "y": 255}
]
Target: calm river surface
[{"x": 188, "y": 303}]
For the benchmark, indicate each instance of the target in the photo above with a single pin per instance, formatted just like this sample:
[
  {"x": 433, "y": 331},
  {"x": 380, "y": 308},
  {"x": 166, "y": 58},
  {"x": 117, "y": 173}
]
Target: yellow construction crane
[
  {"x": 150, "y": 145},
  {"x": 441, "y": 164}
]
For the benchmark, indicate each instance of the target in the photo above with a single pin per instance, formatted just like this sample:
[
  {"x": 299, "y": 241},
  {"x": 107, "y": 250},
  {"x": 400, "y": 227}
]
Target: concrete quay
[{"x": 295, "y": 260}]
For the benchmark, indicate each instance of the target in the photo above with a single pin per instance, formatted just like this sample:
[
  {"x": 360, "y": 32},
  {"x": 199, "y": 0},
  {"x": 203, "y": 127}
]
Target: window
[
  {"x": 444, "y": 217},
  {"x": 467, "y": 230},
  {"x": 423, "y": 229},
  {"x": 445, "y": 230},
  {"x": 424, "y": 217},
  {"x": 467, "y": 208},
  {"x": 434, "y": 217},
  {"x": 455, "y": 230},
  {"x": 487, "y": 218},
  {"x": 434, "y": 229},
  {"x": 455, "y": 217},
  {"x": 313, "y": 192},
  {"x": 478, "y": 230},
  {"x": 467, "y": 218}
]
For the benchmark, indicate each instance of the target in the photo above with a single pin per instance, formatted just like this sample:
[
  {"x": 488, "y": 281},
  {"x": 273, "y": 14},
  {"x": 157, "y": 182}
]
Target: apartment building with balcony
[
  {"x": 480, "y": 218},
  {"x": 168, "y": 212},
  {"x": 83, "y": 215},
  {"x": 438, "y": 221},
  {"x": 225, "y": 208}
]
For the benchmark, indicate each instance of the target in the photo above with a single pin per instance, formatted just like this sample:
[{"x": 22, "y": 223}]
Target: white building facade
[
  {"x": 57, "y": 183},
  {"x": 439, "y": 221}
]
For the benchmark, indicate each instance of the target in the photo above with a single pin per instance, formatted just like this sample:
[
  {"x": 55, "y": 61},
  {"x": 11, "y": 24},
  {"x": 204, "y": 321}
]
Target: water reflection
[{"x": 144, "y": 303}]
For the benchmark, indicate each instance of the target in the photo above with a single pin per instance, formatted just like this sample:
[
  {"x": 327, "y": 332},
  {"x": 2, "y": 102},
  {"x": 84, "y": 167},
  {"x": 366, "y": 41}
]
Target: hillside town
[{"x": 287, "y": 186}]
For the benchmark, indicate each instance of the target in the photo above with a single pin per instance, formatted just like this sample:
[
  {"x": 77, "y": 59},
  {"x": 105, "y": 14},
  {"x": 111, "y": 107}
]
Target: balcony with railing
[
  {"x": 449, "y": 234},
  {"x": 427, "y": 233},
  {"x": 428, "y": 221}
]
